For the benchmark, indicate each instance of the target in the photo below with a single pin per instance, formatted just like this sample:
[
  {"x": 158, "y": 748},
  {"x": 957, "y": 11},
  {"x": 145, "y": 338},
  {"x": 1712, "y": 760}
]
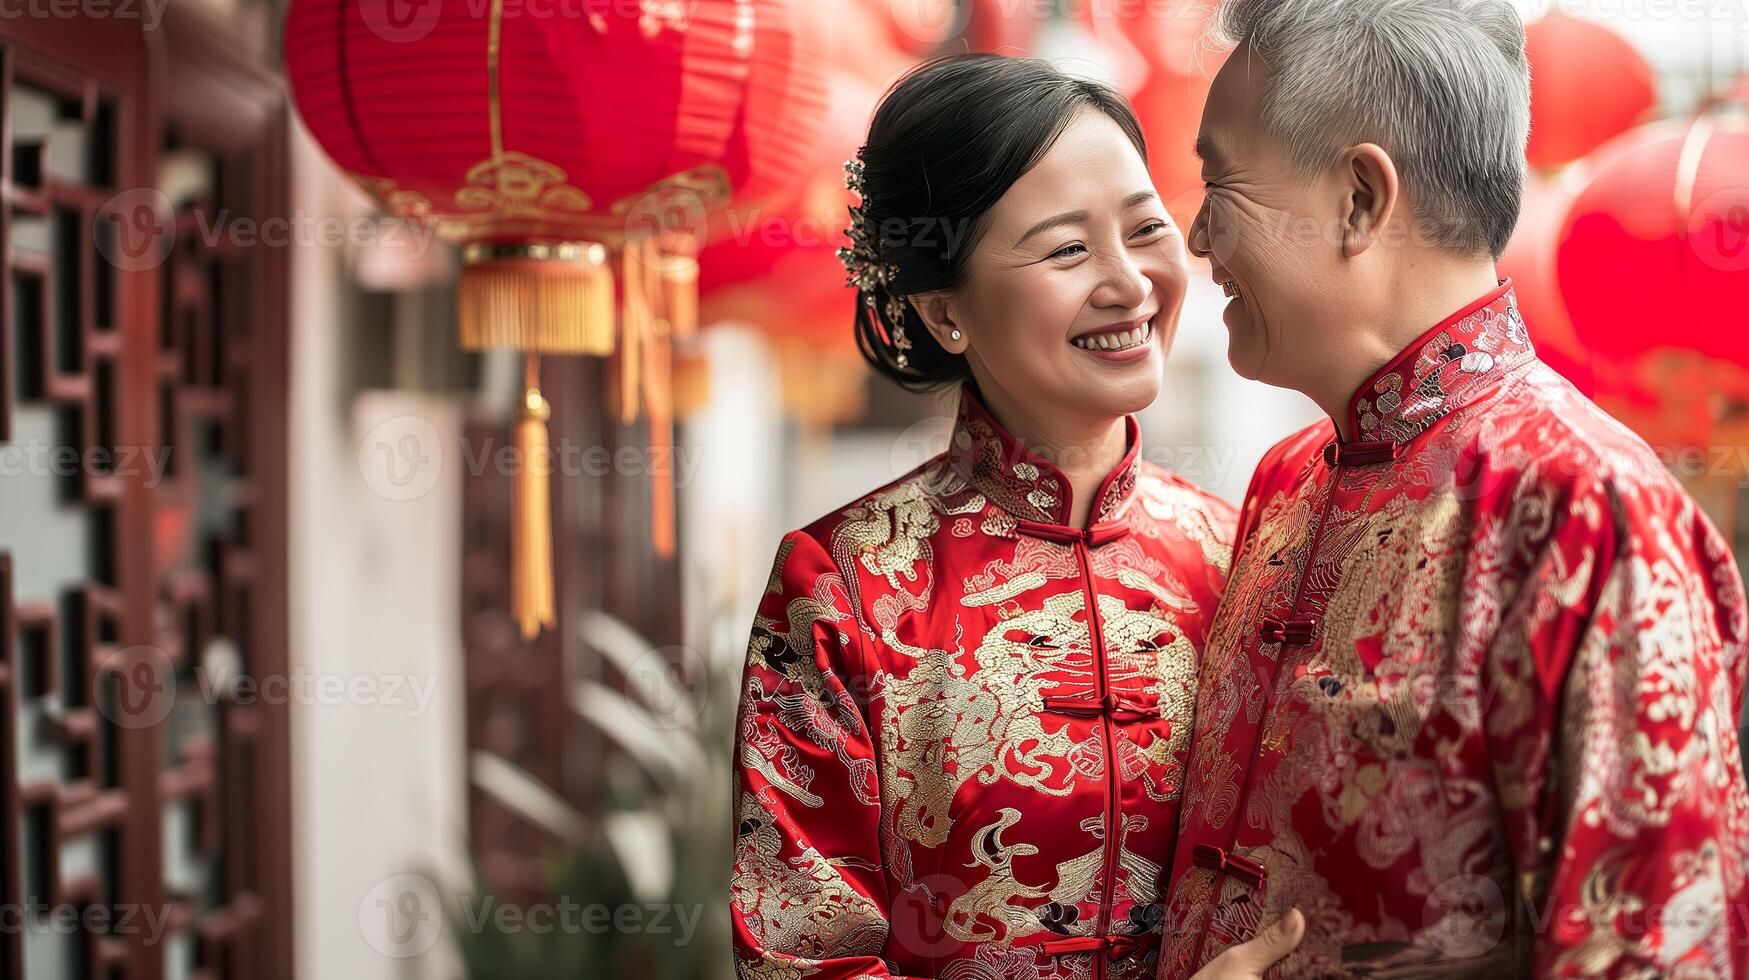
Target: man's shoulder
[
  {"x": 1287, "y": 459},
  {"x": 1555, "y": 439}
]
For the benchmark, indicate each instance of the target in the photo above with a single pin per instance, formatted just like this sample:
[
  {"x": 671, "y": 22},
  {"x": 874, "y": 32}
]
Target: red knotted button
[
  {"x": 1294, "y": 632},
  {"x": 1117, "y": 945},
  {"x": 1217, "y": 860},
  {"x": 1120, "y": 707},
  {"x": 1094, "y": 536}
]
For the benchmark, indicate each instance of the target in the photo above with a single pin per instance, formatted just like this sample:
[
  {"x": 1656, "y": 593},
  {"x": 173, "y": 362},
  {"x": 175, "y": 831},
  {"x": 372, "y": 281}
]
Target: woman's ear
[
  {"x": 942, "y": 320},
  {"x": 1371, "y": 193}
]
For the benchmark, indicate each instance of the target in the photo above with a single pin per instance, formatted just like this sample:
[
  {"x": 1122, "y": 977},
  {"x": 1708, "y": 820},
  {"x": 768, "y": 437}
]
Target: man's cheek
[{"x": 1225, "y": 231}]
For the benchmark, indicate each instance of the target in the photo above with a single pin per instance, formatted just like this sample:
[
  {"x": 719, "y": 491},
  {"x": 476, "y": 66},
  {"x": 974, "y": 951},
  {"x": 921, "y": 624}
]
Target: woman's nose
[{"x": 1126, "y": 284}]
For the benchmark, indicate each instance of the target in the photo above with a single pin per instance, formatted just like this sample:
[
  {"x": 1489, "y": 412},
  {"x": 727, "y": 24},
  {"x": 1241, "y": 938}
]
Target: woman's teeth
[{"x": 1122, "y": 340}]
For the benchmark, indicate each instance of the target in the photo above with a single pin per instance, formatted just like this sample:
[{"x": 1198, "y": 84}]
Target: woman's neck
[{"x": 1084, "y": 449}]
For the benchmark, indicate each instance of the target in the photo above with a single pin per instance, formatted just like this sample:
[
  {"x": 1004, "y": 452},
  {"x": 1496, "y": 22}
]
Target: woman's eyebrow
[
  {"x": 1071, "y": 217},
  {"x": 1066, "y": 218}
]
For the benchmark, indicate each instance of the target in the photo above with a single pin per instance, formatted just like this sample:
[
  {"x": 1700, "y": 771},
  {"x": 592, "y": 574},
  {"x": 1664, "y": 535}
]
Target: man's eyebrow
[
  {"x": 1208, "y": 152},
  {"x": 1071, "y": 217}
]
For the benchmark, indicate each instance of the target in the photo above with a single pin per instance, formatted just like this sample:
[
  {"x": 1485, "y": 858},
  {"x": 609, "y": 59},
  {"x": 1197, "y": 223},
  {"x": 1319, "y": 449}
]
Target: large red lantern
[
  {"x": 1001, "y": 27},
  {"x": 1654, "y": 263},
  {"x": 778, "y": 270},
  {"x": 1587, "y": 84},
  {"x": 1529, "y": 261},
  {"x": 766, "y": 248},
  {"x": 564, "y": 153},
  {"x": 1656, "y": 248}
]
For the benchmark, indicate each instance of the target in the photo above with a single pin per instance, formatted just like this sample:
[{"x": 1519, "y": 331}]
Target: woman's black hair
[{"x": 947, "y": 141}]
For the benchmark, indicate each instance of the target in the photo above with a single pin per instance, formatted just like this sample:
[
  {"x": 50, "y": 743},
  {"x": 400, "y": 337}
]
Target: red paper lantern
[
  {"x": 1529, "y": 261},
  {"x": 778, "y": 269},
  {"x": 917, "y": 27},
  {"x": 1655, "y": 253},
  {"x": 563, "y": 149},
  {"x": 1001, "y": 26},
  {"x": 1587, "y": 84},
  {"x": 534, "y": 138}
]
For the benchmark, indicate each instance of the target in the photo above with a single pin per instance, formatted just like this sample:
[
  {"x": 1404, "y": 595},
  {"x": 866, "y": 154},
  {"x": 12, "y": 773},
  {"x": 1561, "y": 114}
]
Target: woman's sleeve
[
  {"x": 1613, "y": 718},
  {"x": 808, "y": 888}
]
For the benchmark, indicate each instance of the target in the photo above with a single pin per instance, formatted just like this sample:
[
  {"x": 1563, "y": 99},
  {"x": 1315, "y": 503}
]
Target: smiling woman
[{"x": 962, "y": 728}]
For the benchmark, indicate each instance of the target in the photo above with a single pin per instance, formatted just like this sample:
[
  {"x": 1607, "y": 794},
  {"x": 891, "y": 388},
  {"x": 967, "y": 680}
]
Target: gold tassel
[
  {"x": 692, "y": 382},
  {"x": 674, "y": 293},
  {"x": 552, "y": 298},
  {"x": 680, "y": 294},
  {"x": 635, "y": 314},
  {"x": 531, "y": 525},
  {"x": 821, "y": 388},
  {"x": 659, "y": 410}
]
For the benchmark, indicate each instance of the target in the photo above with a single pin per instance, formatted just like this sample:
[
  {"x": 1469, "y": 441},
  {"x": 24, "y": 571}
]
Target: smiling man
[{"x": 1470, "y": 703}]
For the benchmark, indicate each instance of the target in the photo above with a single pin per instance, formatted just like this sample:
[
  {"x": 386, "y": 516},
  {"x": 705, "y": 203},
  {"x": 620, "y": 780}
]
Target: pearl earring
[{"x": 953, "y": 335}]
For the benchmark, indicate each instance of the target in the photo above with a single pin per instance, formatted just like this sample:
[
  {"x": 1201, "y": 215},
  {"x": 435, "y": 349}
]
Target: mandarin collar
[
  {"x": 1027, "y": 486},
  {"x": 1438, "y": 373}
]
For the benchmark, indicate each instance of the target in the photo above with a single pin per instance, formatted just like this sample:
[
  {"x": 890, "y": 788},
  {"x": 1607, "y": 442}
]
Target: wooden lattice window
[{"x": 142, "y": 542}]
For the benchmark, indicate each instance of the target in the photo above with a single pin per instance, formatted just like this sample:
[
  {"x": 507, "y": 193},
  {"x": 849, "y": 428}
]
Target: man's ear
[
  {"x": 941, "y": 318},
  {"x": 1371, "y": 194}
]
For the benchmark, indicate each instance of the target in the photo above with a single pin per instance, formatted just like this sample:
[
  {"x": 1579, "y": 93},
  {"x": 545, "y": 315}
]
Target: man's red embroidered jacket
[
  {"x": 1471, "y": 702},
  {"x": 964, "y": 724}
]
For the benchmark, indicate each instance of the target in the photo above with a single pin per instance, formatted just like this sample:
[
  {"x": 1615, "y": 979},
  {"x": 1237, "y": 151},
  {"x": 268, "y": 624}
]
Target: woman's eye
[{"x": 1068, "y": 251}]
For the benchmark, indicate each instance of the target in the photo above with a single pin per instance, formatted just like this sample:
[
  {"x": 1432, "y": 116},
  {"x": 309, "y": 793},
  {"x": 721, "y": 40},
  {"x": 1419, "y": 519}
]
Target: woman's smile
[{"x": 1125, "y": 341}]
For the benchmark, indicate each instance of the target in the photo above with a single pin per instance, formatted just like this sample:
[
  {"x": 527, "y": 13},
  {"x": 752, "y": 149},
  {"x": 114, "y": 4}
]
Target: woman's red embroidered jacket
[{"x": 950, "y": 699}]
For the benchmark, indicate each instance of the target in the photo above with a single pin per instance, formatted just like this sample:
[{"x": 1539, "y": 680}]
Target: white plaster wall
[{"x": 378, "y": 787}]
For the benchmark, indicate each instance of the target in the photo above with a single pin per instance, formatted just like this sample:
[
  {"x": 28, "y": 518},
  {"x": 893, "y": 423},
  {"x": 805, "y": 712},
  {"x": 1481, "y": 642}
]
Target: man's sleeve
[
  {"x": 808, "y": 885},
  {"x": 1616, "y": 682}
]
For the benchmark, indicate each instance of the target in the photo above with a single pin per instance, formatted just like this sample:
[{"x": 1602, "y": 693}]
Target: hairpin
[{"x": 865, "y": 261}]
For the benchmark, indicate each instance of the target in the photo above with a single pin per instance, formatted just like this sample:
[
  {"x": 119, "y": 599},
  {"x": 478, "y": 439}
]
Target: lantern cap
[{"x": 594, "y": 253}]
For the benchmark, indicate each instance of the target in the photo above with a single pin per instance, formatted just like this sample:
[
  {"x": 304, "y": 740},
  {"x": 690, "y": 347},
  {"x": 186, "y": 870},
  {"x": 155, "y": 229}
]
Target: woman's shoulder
[
  {"x": 1205, "y": 522},
  {"x": 1160, "y": 487},
  {"x": 912, "y": 492},
  {"x": 907, "y": 507}
]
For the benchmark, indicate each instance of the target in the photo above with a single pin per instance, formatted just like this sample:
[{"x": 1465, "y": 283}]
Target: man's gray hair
[{"x": 1442, "y": 85}]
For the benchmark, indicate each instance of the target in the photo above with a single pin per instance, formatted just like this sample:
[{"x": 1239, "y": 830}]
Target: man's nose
[{"x": 1199, "y": 232}]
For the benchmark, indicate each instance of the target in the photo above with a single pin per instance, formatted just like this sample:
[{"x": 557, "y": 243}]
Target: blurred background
[{"x": 308, "y": 671}]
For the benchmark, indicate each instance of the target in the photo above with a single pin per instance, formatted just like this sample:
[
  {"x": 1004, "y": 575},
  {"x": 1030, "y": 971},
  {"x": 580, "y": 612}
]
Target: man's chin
[{"x": 1246, "y": 363}]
